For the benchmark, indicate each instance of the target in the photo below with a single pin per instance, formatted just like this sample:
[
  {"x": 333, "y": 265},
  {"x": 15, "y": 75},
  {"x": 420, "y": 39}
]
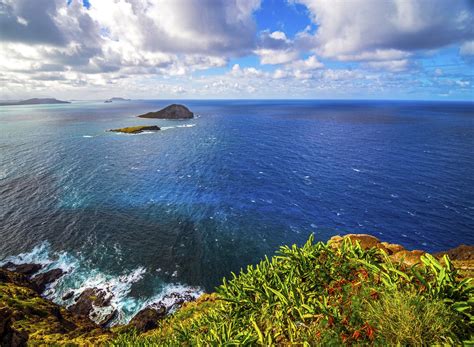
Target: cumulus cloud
[
  {"x": 374, "y": 29},
  {"x": 183, "y": 26},
  {"x": 158, "y": 47},
  {"x": 30, "y": 22},
  {"x": 118, "y": 38},
  {"x": 275, "y": 48},
  {"x": 390, "y": 65}
]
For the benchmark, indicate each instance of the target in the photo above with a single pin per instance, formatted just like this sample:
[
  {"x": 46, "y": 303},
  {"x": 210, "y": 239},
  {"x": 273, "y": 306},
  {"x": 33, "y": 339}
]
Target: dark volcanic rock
[
  {"x": 136, "y": 129},
  {"x": 17, "y": 279},
  {"x": 88, "y": 299},
  {"x": 25, "y": 269},
  {"x": 68, "y": 296},
  {"x": 174, "y": 111},
  {"x": 176, "y": 299},
  {"x": 105, "y": 322},
  {"x": 45, "y": 278},
  {"x": 148, "y": 318}
]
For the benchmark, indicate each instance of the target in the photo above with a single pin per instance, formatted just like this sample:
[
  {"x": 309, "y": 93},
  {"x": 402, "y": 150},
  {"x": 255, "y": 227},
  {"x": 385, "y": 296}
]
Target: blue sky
[{"x": 318, "y": 49}]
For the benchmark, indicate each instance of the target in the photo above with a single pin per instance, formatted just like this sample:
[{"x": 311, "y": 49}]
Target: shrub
[{"x": 320, "y": 295}]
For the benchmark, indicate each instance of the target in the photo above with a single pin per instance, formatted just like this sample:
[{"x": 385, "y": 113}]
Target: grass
[{"x": 320, "y": 295}]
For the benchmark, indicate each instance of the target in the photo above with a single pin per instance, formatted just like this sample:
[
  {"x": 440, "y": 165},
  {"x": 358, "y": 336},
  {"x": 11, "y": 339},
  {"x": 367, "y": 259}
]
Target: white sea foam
[
  {"x": 178, "y": 126},
  {"x": 87, "y": 136},
  {"x": 79, "y": 277},
  {"x": 356, "y": 170}
]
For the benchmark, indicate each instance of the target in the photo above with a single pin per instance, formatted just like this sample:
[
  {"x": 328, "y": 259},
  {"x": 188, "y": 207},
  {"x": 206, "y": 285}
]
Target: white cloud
[
  {"x": 467, "y": 48},
  {"x": 390, "y": 65},
  {"x": 275, "y": 56},
  {"x": 385, "y": 30},
  {"x": 120, "y": 38}
]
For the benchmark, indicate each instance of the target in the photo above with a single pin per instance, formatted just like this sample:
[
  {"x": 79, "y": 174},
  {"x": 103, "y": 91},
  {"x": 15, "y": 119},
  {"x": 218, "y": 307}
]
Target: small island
[
  {"x": 116, "y": 99},
  {"x": 174, "y": 111},
  {"x": 34, "y": 101},
  {"x": 136, "y": 129}
]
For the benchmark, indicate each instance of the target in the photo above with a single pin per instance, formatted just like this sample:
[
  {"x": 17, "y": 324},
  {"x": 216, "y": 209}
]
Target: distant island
[
  {"x": 136, "y": 129},
  {"x": 173, "y": 111},
  {"x": 116, "y": 99},
  {"x": 34, "y": 101}
]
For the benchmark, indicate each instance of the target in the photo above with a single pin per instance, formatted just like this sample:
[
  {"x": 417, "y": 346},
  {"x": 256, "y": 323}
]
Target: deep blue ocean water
[{"x": 181, "y": 208}]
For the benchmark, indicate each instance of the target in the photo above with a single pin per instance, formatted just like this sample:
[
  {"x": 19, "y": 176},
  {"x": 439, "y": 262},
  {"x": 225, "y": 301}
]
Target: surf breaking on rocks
[{"x": 105, "y": 298}]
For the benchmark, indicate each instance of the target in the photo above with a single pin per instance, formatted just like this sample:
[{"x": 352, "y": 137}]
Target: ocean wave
[
  {"x": 178, "y": 126},
  {"x": 79, "y": 277}
]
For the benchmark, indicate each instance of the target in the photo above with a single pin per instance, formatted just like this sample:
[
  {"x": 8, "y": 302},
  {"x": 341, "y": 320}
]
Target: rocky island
[
  {"x": 174, "y": 111},
  {"x": 34, "y": 101},
  {"x": 136, "y": 129},
  {"x": 353, "y": 289}
]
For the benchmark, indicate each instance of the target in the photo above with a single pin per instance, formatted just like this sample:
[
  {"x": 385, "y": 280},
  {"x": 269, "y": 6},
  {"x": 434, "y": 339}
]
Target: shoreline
[{"x": 28, "y": 280}]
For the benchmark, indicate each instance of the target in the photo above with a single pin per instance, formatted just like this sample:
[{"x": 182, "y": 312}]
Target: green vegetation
[
  {"x": 320, "y": 294},
  {"x": 24, "y": 315},
  {"x": 136, "y": 129}
]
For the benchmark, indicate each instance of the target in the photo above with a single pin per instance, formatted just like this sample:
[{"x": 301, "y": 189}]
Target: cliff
[{"x": 351, "y": 290}]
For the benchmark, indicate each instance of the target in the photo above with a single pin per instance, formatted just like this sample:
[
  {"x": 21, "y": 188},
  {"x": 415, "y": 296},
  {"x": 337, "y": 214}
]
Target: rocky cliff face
[
  {"x": 461, "y": 256},
  {"x": 27, "y": 318}
]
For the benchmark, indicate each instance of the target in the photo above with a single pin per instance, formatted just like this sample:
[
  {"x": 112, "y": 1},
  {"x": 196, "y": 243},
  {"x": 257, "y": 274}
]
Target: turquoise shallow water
[{"x": 179, "y": 209}]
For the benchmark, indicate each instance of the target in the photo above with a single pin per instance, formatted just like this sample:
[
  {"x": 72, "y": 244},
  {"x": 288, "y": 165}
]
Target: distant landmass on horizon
[{"x": 34, "y": 101}]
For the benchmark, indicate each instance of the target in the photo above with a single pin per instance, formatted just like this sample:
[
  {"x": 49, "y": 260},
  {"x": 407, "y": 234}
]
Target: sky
[{"x": 210, "y": 49}]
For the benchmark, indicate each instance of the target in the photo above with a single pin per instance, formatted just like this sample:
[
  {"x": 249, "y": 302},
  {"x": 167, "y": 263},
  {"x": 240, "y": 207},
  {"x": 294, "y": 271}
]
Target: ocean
[{"x": 149, "y": 214}]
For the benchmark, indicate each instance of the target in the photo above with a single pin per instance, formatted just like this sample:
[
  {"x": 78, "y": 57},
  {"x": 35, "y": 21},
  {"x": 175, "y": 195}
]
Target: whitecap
[
  {"x": 79, "y": 277},
  {"x": 356, "y": 170},
  {"x": 87, "y": 136},
  {"x": 178, "y": 126}
]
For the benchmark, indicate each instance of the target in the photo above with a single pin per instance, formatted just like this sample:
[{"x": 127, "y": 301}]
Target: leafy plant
[{"x": 318, "y": 294}]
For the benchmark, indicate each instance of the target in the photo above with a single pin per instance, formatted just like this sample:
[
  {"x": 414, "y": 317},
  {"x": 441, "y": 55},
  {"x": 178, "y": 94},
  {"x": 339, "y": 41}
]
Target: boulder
[
  {"x": 68, "y": 296},
  {"x": 173, "y": 111},
  {"x": 408, "y": 258},
  {"x": 28, "y": 269},
  {"x": 392, "y": 247},
  {"x": 42, "y": 280},
  {"x": 148, "y": 318},
  {"x": 462, "y": 252},
  {"x": 366, "y": 241},
  {"x": 105, "y": 322},
  {"x": 25, "y": 269},
  {"x": 90, "y": 298}
]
